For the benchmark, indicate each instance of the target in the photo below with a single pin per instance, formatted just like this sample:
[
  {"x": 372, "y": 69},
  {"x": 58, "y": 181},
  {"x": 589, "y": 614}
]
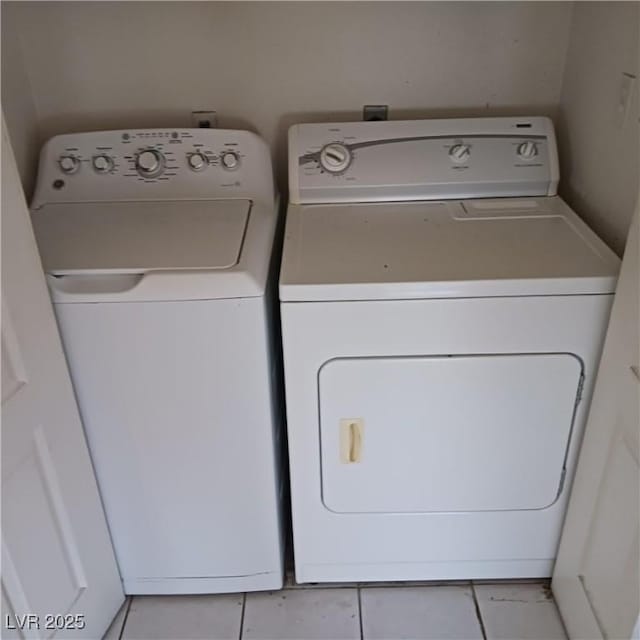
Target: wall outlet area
[
  {"x": 204, "y": 119},
  {"x": 375, "y": 112}
]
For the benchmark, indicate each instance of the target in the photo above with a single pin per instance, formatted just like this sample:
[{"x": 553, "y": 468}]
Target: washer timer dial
[{"x": 150, "y": 163}]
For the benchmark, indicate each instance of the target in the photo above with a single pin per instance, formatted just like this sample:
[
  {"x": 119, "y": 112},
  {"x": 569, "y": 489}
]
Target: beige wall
[
  {"x": 17, "y": 102},
  {"x": 599, "y": 160},
  {"x": 266, "y": 65}
]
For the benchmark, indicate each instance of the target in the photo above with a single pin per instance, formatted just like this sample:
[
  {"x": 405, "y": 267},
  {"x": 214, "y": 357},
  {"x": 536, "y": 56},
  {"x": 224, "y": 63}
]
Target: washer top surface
[
  {"x": 469, "y": 248},
  {"x": 113, "y": 238},
  {"x": 155, "y": 215}
]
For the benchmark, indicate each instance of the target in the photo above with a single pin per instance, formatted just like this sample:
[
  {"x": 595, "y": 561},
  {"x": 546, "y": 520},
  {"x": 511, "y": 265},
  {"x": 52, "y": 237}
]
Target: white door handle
[{"x": 351, "y": 432}]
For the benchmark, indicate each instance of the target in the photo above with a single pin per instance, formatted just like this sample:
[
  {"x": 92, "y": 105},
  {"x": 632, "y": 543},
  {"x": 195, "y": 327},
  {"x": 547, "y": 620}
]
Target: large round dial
[
  {"x": 528, "y": 150},
  {"x": 335, "y": 157},
  {"x": 102, "y": 163},
  {"x": 150, "y": 163},
  {"x": 69, "y": 163},
  {"x": 460, "y": 152}
]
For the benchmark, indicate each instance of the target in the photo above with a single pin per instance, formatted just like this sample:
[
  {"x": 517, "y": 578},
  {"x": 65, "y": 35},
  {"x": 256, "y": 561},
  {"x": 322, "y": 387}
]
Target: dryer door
[{"x": 446, "y": 433}]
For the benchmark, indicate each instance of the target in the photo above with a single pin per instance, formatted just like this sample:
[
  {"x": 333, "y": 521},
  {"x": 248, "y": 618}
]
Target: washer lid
[
  {"x": 137, "y": 237},
  {"x": 473, "y": 248}
]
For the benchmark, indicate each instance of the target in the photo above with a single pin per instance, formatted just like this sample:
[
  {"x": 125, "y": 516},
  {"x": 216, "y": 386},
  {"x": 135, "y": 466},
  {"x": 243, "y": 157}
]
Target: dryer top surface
[{"x": 470, "y": 248}]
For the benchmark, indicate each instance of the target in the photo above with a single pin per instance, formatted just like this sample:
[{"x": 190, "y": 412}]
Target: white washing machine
[
  {"x": 443, "y": 313},
  {"x": 157, "y": 245}
]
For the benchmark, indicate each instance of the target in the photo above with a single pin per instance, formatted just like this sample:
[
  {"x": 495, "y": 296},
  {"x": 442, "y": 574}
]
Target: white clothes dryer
[
  {"x": 443, "y": 312},
  {"x": 157, "y": 247}
]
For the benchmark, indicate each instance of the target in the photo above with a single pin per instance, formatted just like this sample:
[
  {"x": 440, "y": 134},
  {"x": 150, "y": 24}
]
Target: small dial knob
[
  {"x": 68, "y": 164},
  {"x": 459, "y": 152},
  {"x": 527, "y": 150},
  {"x": 335, "y": 157},
  {"x": 150, "y": 163},
  {"x": 197, "y": 161},
  {"x": 230, "y": 160},
  {"x": 102, "y": 163}
]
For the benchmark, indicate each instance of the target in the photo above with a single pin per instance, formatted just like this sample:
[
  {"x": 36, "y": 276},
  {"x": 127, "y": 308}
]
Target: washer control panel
[
  {"x": 422, "y": 159},
  {"x": 153, "y": 163}
]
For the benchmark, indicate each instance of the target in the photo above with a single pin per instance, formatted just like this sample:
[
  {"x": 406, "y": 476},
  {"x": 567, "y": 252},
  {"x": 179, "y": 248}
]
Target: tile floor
[{"x": 409, "y": 611}]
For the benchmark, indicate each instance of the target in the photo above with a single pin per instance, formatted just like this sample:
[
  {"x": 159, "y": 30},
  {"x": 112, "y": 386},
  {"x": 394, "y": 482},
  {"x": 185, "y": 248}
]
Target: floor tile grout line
[
  {"x": 360, "y": 613},
  {"x": 126, "y": 615},
  {"x": 244, "y": 606},
  {"x": 390, "y": 584},
  {"x": 478, "y": 612}
]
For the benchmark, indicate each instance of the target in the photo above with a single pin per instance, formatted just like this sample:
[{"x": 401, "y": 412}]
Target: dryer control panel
[
  {"x": 422, "y": 160},
  {"x": 154, "y": 164}
]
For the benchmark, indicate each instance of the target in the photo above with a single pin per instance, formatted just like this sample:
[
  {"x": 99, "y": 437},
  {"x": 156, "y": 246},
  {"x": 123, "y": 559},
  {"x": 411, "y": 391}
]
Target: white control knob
[
  {"x": 102, "y": 163},
  {"x": 230, "y": 160},
  {"x": 459, "y": 152},
  {"x": 335, "y": 157},
  {"x": 68, "y": 164},
  {"x": 527, "y": 150},
  {"x": 197, "y": 161},
  {"x": 150, "y": 163}
]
